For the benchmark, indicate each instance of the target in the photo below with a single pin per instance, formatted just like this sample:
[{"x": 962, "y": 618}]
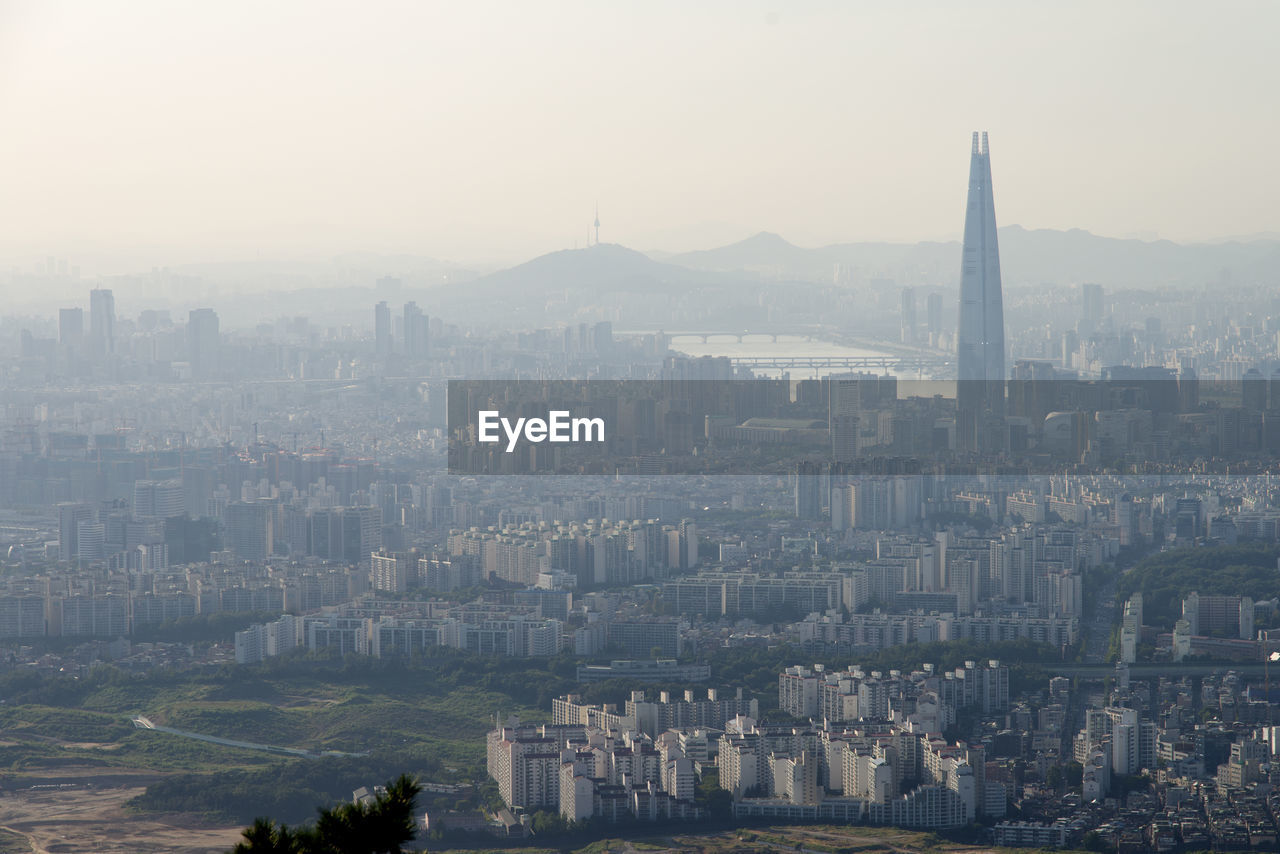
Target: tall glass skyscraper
[
  {"x": 980, "y": 335},
  {"x": 102, "y": 322}
]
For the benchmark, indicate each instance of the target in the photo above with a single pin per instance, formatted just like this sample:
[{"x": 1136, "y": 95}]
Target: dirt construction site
[{"x": 84, "y": 812}]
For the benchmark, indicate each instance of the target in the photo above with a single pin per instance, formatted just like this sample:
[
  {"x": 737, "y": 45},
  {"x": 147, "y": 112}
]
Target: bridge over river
[{"x": 919, "y": 364}]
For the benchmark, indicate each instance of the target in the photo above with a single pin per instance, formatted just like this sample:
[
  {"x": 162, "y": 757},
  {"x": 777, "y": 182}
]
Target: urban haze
[{"x": 610, "y": 427}]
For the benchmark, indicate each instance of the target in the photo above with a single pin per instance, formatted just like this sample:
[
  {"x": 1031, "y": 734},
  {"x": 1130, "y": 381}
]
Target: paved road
[
  {"x": 145, "y": 723},
  {"x": 1173, "y": 671},
  {"x": 1100, "y": 623}
]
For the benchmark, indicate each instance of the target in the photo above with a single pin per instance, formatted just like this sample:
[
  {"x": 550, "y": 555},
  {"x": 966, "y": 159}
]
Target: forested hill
[{"x": 1165, "y": 578}]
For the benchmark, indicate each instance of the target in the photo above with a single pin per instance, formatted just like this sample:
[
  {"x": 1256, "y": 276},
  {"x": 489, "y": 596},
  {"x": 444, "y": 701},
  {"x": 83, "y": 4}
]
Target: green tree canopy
[
  {"x": 380, "y": 827},
  {"x": 1165, "y": 578}
]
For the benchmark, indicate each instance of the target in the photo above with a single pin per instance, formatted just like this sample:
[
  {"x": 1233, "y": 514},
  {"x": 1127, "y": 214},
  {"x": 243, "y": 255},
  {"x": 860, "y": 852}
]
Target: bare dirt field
[
  {"x": 805, "y": 839},
  {"x": 88, "y": 814}
]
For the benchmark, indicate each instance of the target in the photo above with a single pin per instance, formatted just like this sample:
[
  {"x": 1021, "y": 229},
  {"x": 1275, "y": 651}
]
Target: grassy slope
[{"x": 411, "y": 718}]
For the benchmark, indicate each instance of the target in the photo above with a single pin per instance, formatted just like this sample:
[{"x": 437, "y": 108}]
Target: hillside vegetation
[{"x": 1165, "y": 578}]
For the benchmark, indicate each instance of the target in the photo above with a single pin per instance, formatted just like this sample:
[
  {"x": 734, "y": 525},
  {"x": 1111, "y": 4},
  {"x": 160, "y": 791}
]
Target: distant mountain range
[
  {"x": 769, "y": 255},
  {"x": 609, "y": 280},
  {"x": 1026, "y": 257},
  {"x": 579, "y": 283}
]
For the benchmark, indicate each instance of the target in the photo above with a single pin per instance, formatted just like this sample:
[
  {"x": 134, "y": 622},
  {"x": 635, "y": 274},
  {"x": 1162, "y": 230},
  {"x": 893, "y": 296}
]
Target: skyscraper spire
[
  {"x": 597, "y": 223},
  {"x": 980, "y": 334}
]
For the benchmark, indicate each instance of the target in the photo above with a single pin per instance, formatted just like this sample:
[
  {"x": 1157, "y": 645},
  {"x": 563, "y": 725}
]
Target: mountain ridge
[{"x": 1027, "y": 255}]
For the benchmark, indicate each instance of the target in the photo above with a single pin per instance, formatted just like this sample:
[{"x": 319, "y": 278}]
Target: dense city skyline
[{"x": 377, "y": 473}]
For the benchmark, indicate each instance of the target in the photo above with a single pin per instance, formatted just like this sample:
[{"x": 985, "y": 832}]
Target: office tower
[
  {"x": 71, "y": 328},
  {"x": 91, "y": 538},
  {"x": 933, "y": 316},
  {"x": 843, "y": 407},
  {"x": 339, "y": 533},
  {"x": 872, "y": 507},
  {"x": 361, "y": 533},
  {"x": 102, "y": 321},
  {"x": 1253, "y": 391},
  {"x": 1187, "y": 524},
  {"x": 1090, "y": 308},
  {"x": 70, "y": 515},
  {"x": 415, "y": 331},
  {"x": 849, "y": 396},
  {"x": 150, "y": 319},
  {"x": 807, "y": 486},
  {"x": 158, "y": 499},
  {"x": 1070, "y": 344},
  {"x": 1188, "y": 390},
  {"x": 1125, "y": 515},
  {"x": 197, "y": 485},
  {"x": 843, "y": 427},
  {"x": 249, "y": 529},
  {"x": 908, "y": 315},
  {"x": 602, "y": 338},
  {"x": 202, "y": 342},
  {"x": 382, "y": 329},
  {"x": 980, "y": 332}
]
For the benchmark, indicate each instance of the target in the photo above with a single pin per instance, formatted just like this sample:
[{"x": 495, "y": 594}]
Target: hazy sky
[{"x": 167, "y": 131}]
